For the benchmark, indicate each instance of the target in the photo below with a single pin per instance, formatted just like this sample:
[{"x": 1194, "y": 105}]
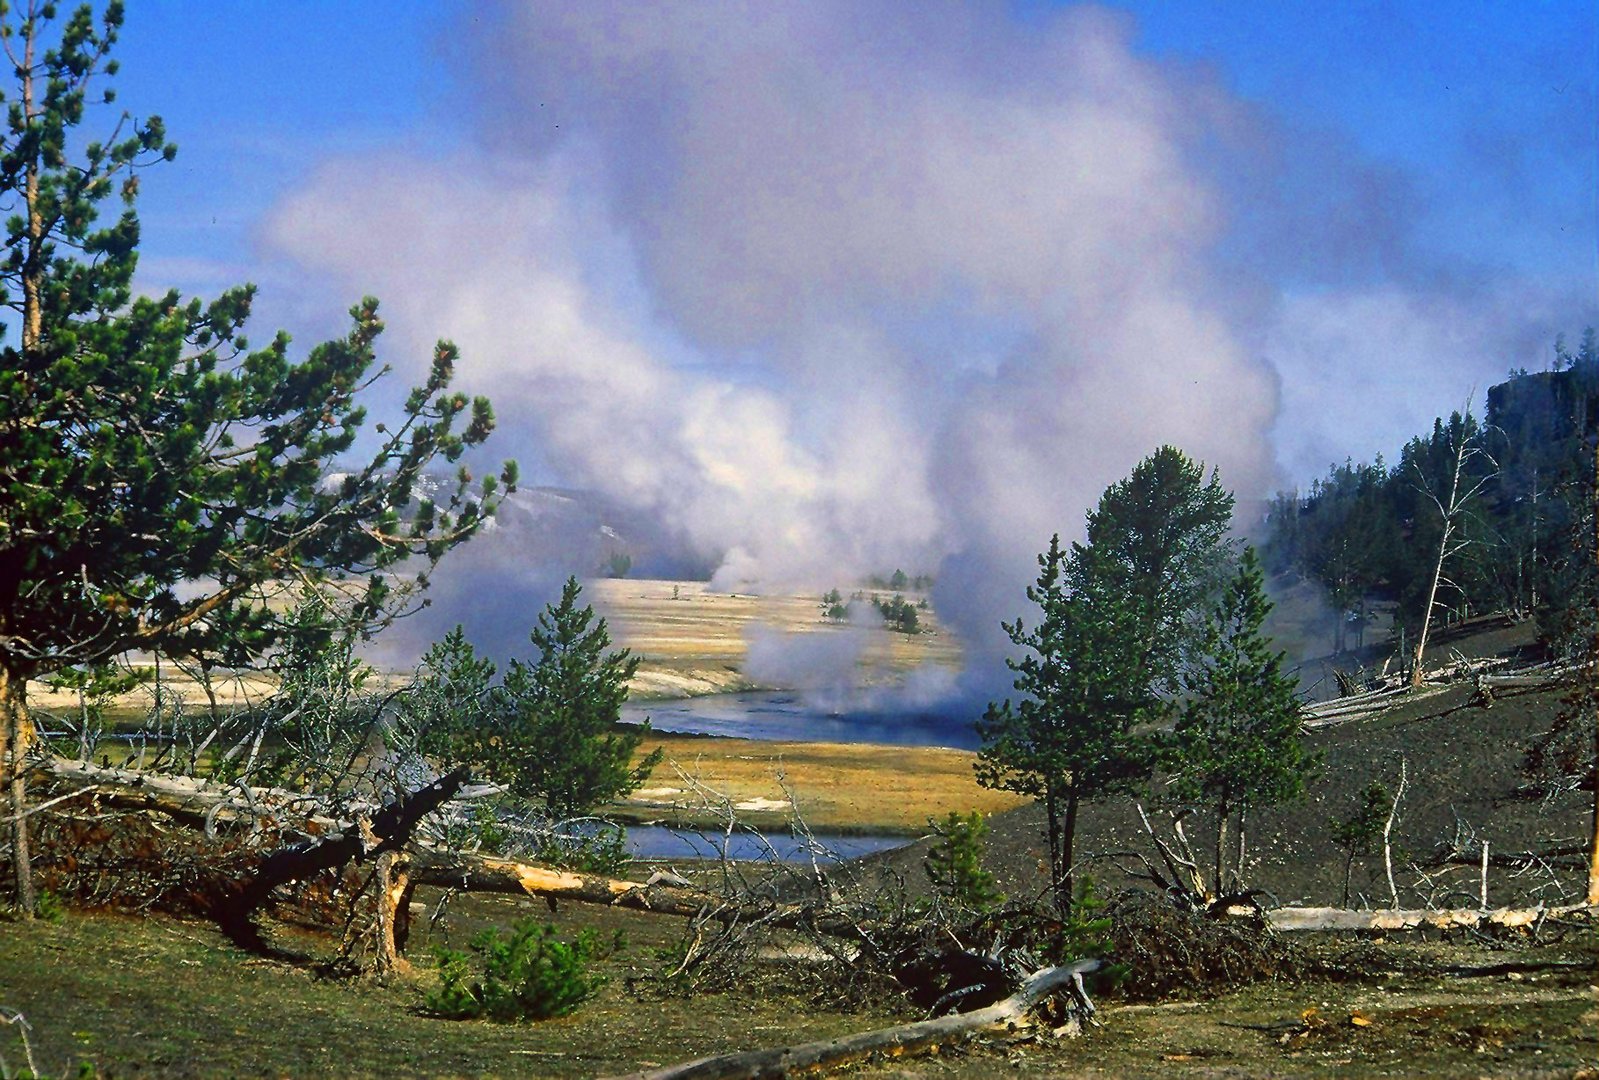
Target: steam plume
[{"x": 836, "y": 287}]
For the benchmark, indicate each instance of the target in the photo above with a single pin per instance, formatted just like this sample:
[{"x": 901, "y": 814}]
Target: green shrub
[
  {"x": 1086, "y": 928},
  {"x": 529, "y": 975},
  {"x": 899, "y": 614},
  {"x": 50, "y": 907}
]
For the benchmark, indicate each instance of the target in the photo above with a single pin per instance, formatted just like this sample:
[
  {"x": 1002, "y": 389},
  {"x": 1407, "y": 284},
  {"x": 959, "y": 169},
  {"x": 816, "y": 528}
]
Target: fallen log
[
  {"x": 1514, "y": 860},
  {"x": 203, "y": 804},
  {"x": 1344, "y": 710},
  {"x": 1296, "y": 918},
  {"x": 234, "y": 903},
  {"x": 893, "y": 1042},
  {"x": 659, "y": 895},
  {"x": 483, "y": 873},
  {"x": 196, "y": 802},
  {"x": 1529, "y": 681},
  {"x": 207, "y": 803}
]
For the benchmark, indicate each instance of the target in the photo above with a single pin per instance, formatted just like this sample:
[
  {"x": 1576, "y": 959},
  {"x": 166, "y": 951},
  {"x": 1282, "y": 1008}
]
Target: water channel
[
  {"x": 792, "y": 717},
  {"x": 661, "y": 842},
  {"x": 783, "y": 717}
]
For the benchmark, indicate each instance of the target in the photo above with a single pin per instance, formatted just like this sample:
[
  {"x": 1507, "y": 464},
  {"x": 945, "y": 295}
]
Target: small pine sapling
[
  {"x": 955, "y": 863},
  {"x": 529, "y": 975},
  {"x": 1360, "y": 832}
]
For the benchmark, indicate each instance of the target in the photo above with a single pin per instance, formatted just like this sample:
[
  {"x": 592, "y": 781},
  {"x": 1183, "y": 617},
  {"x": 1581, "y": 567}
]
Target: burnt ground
[{"x": 1464, "y": 763}]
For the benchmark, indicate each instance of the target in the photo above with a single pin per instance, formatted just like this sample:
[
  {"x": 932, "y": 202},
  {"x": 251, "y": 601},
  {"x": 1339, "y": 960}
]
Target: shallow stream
[
  {"x": 783, "y": 717},
  {"x": 661, "y": 842},
  {"x": 791, "y": 717}
]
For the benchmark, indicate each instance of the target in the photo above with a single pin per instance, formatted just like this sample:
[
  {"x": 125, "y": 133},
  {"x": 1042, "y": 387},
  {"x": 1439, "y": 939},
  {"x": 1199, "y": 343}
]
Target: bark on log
[
  {"x": 1294, "y": 918},
  {"x": 893, "y": 1042},
  {"x": 389, "y": 830},
  {"x": 393, "y": 881},
  {"x": 1512, "y": 859},
  {"x": 202, "y": 804},
  {"x": 481, "y": 873},
  {"x": 195, "y": 802}
]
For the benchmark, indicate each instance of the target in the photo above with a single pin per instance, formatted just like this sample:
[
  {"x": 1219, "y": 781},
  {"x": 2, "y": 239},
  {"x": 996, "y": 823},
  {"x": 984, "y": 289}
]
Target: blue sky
[
  {"x": 823, "y": 289},
  {"x": 1489, "y": 108},
  {"x": 257, "y": 94},
  {"x": 857, "y": 284}
]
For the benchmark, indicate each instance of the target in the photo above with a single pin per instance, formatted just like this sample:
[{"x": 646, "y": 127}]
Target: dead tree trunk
[
  {"x": 1451, "y": 506},
  {"x": 1593, "y": 692},
  {"x": 485, "y": 873},
  {"x": 1388, "y": 832},
  {"x": 234, "y": 904},
  {"x": 479, "y": 873},
  {"x": 1593, "y": 850},
  {"x": 1418, "y": 671},
  {"x": 203, "y": 805},
  {"x": 393, "y": 893},
  {"x": 1221, "y": 845},
  {"x": 199, "y": 803},
  {"x": 894, "y": 1041},
  {"x": 1295, "y": 918}
]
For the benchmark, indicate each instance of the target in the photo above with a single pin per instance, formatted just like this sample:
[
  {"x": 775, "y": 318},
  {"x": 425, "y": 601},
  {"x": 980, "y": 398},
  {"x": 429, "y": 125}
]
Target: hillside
[
  {"x": 160, "y": 997},
  {"x": 1462, "y": 759}
]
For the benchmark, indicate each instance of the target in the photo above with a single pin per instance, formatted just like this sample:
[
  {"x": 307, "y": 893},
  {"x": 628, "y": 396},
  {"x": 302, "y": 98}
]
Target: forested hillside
[{"x": 1482, "y": 514}]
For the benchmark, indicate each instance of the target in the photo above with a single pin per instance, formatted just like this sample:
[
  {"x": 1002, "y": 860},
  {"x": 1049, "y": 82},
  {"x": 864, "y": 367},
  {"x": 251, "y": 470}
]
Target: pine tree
[
  {"x": 1071, "y": 735},
  {"x": 1359, "y": 833},
  {"x": 1237, "y": 739},
  {"x": 445, "y": 710},
  {"x": 557, "y": 716},
  {"x": 1160, "y": 537},
  {"x": 1119, "y": 618},
  {"x": 159, "y": 478}
]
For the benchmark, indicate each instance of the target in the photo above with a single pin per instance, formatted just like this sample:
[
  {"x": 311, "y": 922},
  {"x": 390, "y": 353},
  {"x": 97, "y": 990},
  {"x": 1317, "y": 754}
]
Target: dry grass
[
  {"x": 156, "y": 997},
  {"x": 838, "y": 786},
  {"x": 692, "y": 641}
]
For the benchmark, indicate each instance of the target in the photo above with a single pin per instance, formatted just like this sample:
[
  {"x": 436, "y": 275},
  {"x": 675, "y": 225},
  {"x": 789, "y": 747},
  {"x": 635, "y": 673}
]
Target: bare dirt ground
[
  {"x": 1422, "y": 1026},
  {"x": 1463, "y": 763}
]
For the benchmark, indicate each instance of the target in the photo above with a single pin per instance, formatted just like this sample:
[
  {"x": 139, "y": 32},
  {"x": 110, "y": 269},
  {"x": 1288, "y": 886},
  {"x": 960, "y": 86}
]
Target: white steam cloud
[{"x": 831, "y": 288}]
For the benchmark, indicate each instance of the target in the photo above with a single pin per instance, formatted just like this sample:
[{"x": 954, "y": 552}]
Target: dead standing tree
[
  {"x": 1460, "y": 443},
  {"x": 1588, "y": 688}
]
